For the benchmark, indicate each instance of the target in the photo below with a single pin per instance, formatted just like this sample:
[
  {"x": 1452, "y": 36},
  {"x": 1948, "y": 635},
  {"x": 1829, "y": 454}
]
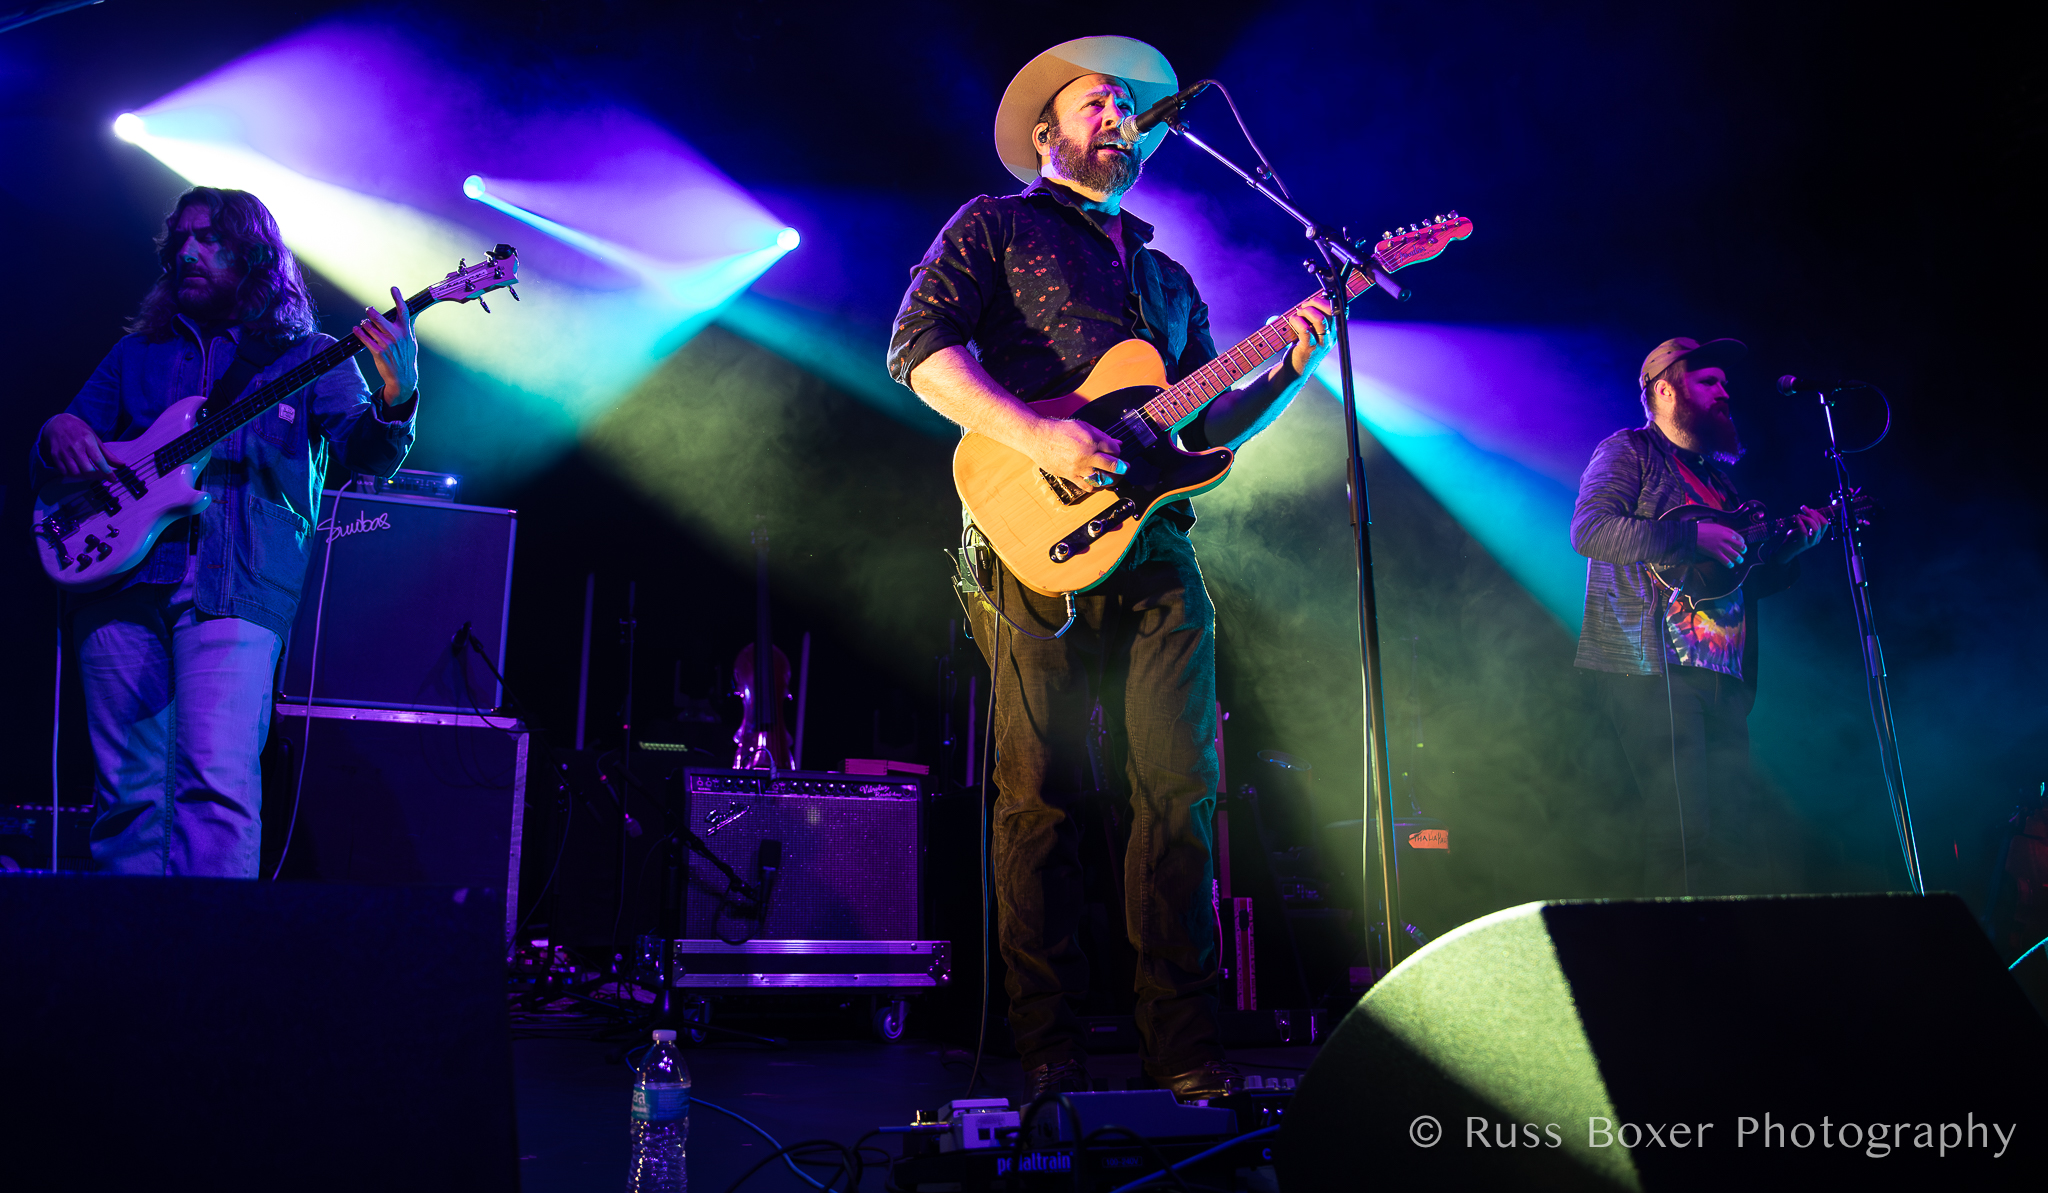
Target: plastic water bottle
[{"x": 661, "y": 1120}]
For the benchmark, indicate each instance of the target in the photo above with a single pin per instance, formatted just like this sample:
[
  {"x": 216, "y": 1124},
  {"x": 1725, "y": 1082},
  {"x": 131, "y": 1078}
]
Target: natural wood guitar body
[{"x": 1026, "y": 514}]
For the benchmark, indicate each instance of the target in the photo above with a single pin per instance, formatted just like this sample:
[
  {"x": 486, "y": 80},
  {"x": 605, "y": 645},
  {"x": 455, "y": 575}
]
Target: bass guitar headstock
[{"x": 499, "y": 270}]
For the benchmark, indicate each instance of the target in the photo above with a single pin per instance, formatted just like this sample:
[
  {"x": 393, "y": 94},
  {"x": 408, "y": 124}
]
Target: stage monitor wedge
[{"x": 1866, "y": 1042}]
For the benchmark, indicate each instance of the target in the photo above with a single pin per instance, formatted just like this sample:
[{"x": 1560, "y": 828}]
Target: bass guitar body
[
  {"x": 1059, "y": 537},
  {"x": 90, "y": 530}
]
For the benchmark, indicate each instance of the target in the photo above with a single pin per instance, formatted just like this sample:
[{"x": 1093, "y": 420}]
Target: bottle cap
[{"x": 664, "y": 1036}]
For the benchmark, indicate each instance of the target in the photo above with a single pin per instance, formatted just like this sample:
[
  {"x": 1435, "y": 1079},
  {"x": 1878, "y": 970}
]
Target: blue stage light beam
[
  {"x": 1522, "y": 517},
  {"x": 698, "y": 286}
]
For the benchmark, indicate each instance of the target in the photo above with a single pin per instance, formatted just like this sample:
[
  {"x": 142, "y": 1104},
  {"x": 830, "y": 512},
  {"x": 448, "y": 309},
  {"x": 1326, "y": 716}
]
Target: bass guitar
[
  {"x": 1059, "y": 537},
  {"x": 91, "y": 530},
  {"x": 1710, "y": 580}
]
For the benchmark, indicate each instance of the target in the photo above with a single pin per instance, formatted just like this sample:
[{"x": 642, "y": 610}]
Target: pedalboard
[{"x": 984, "y": 1145}]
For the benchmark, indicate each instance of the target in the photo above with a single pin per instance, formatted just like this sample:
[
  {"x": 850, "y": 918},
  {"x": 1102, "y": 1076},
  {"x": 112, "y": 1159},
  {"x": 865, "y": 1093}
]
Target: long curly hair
[{"x": 271, "y": 298}]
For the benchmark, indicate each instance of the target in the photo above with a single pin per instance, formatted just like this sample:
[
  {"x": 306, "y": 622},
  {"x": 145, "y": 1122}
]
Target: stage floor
[{"x": 573, "y": 1105}]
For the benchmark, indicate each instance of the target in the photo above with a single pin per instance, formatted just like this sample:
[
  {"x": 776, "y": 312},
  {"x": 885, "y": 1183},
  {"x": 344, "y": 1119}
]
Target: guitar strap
[
  {"x": 1707, "y": 494},
  {"x": 255, "y": 353}
]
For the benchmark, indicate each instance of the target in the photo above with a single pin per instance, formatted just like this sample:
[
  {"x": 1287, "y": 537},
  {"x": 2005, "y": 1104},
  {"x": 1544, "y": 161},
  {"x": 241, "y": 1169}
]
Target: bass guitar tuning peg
[
  {"x": 486, "y": 306},
  {"x": 513, "y": 291}
]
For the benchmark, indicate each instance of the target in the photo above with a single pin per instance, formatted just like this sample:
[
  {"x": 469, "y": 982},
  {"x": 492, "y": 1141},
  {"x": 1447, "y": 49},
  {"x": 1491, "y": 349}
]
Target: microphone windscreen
[
  {"x": 1788, "y": 385},
  {"x": 1129, "y": 130}
]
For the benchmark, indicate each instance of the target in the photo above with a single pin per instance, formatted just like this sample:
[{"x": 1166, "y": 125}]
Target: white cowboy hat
[{"x": 1142, "y": 68}]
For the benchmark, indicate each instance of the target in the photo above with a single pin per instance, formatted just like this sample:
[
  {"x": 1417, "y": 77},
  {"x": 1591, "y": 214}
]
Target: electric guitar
[
  {"x": 91, "y": 530},
  {"x": 1059, "y": 537},
  {"x": 1710, "y": 580}
]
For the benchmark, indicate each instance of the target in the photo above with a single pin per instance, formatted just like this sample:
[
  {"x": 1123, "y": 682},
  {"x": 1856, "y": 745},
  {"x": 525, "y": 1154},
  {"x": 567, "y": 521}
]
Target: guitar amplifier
[
  {"x": 403, "y": 576},
  {"x": 849, "y": 851}
]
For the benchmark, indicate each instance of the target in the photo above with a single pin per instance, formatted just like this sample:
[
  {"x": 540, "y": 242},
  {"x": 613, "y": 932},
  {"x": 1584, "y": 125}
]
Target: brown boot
[
  {"x": 1061, "y": 1076},
  {"x": 1210, "y": 1079}
]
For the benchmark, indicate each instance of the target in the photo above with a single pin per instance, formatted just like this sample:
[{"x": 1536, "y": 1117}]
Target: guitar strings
[
  {"x": 1175, "y": 403},
  {"x": 75, "y": 508}
]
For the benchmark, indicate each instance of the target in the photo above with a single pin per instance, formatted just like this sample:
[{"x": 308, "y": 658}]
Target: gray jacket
[
  {"x": 1632, "y": 480},
  {"x": 253, "y": 541}
]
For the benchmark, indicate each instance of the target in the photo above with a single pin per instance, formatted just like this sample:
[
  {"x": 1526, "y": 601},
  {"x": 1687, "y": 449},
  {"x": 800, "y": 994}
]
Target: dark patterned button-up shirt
[{"x": 1038, "y": 289}]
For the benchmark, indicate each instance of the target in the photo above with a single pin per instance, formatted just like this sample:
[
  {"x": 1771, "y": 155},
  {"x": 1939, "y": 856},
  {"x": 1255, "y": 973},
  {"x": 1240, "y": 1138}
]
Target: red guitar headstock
[
  {"x": 499, "y": 270},
  {"x": 1420, "y": 241}
]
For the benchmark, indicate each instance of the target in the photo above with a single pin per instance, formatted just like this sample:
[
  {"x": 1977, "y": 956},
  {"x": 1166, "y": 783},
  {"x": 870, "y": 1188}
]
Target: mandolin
[
  {"x": 1059, "y": 537},
  {"x": 1710, "y": 580},
  {"x": 91, "y": 530}
]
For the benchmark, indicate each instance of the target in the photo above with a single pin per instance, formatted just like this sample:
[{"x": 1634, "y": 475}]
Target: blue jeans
[{"x": 177, "y": 706}]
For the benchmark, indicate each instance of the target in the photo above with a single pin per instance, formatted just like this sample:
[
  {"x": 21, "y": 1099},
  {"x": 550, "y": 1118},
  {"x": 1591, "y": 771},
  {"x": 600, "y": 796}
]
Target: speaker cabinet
[
  {"x": 393, "y": 796},
  {"x": 233, "y": 1035},
  {"x": 850, "y": 849},
  {"x": 391, "y": 583},
  {"x": 1864, "y": 1042}
]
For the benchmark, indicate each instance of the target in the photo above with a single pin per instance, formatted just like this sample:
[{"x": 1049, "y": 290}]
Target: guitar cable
[
  {"x": 983, "y": 766},
  {"x": 1671, "y": 712},
  {"x": 968, "y": 568},
  {"x": 312, "y": 676}
]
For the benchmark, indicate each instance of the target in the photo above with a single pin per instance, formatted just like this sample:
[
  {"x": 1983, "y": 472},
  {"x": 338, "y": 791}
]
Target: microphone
[
  {"x": 1790, "y": 385},
  {"x": 1166, "y": 109}
]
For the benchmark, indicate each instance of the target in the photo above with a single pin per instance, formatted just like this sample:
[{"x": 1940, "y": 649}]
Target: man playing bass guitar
[
  {"x": 1677, "y": 673},
  {"x": 1015, "y": 301},
  {"x": 177, "y": 656}
]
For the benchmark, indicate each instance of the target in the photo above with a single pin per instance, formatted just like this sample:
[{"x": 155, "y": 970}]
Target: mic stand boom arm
[{"x": 1340, "y": 257}]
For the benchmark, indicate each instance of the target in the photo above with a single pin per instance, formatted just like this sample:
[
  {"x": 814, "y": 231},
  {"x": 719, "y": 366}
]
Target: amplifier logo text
[{"x": 363, "y": 522}]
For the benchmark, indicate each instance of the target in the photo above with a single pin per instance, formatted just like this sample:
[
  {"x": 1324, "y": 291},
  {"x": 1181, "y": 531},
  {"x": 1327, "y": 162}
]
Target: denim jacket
[{"x": 253, "y": 541}]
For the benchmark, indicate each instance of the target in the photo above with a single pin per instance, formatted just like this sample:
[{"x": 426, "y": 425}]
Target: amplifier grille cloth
[{"x": 849, "y": 867}]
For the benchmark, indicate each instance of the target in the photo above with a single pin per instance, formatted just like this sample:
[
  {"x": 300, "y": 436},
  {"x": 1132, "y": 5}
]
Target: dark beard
[
  {"x": 214, "y": 304},
  {"x": 1713, "y": 429},
  {"x": 1076, "y": 162}
]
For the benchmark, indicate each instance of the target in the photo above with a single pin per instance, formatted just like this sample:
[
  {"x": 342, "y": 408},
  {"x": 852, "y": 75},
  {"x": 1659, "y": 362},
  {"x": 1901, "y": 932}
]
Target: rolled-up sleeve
[
  {"x": 366, "y": 439},
  {"x": 949, "y": 288},
  {"x": 1605, "y": 525}
]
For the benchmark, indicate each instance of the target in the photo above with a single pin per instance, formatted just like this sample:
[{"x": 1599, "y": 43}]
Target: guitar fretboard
[
  {"x": 1176, "y": 405},
  {"x": 219, "y": 425}
]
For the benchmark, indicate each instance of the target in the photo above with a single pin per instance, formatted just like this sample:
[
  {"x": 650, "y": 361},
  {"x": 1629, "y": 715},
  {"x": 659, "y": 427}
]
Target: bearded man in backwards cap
[
  {"x": 1016, "y": 300},
  {"x": 1677, "y": 674}
]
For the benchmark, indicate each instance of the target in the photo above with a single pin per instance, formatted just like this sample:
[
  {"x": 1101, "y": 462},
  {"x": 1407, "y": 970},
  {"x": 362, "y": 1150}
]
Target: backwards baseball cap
[
  {"x": 1142, "y": 68},
  {"x": 1707, "y": 355}
]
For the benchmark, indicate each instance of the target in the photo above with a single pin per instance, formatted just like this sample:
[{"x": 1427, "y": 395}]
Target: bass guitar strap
[{"x": 253, "y": 354}]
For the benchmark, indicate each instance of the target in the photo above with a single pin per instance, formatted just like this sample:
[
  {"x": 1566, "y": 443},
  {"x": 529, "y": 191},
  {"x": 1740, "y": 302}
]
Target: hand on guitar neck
[{"x": 1727, "y": 546}]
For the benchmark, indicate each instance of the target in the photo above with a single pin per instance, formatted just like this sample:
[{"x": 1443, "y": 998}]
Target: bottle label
[{"x": 660, "y": 1103}]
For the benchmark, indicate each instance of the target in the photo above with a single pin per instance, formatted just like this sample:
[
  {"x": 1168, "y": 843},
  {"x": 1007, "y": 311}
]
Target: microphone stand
[
  {"x": 1339, "y": 258},
  {"x": 1875, "y": 687}
]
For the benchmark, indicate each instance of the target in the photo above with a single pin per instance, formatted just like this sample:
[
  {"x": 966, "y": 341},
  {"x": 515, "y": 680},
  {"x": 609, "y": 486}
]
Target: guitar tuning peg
[
  {"x": 1386, "y": 236},
  {"x": 513, "y": 291},
  {"x": 486, "y": 306}
]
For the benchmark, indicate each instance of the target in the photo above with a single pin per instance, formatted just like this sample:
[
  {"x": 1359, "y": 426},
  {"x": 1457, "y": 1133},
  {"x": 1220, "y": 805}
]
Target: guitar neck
[
  {"x": 1177, "y": 405},
  {"x": 220, "y": 424}
]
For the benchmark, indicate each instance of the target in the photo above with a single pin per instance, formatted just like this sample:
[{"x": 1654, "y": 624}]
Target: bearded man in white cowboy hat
[{"x": 1016, "y": 300}]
